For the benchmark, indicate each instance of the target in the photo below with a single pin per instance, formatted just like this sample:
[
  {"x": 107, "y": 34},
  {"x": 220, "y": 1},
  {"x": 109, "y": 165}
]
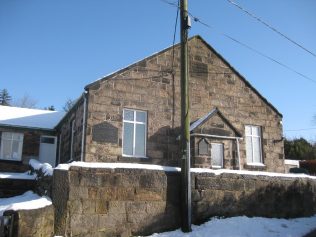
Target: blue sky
[{"x": 52, "y": 49}]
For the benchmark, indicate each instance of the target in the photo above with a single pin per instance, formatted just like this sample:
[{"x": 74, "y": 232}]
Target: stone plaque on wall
[
  {"x": 203, "y": 147},
  {"x": 105, "y": 132}
]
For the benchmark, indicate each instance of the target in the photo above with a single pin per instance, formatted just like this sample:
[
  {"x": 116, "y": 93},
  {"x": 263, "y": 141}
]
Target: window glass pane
[
  {"x": 255, "y": 131},
  {"x": 128, "y": 137},
  {"x": 49, "y": 140},
  {"x": 256, "y": 149},
  {"x": 15, "y": 150},
  {"x": 140, "y": 116},
  {"x": 128, "y": 115},
  {"x": 249, "y": 149},
  {"x": 6, "y": 149},
  {"x": 248, "y": 130},
  {"x": 17, "y": 136},
  {"x": 7, "y": 135},
  {"x": 217, "y": 154},
  {"x": 140, "y": 140}
]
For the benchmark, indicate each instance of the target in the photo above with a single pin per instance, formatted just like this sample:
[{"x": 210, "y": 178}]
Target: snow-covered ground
[
  {"x": 28, "y": 200},
  {"x": 244, "y": 226}
]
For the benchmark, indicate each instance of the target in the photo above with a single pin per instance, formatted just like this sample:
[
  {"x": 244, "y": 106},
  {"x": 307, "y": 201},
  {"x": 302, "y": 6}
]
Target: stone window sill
[
  {"x": 255, "y": 166},
  {"x": 134, "y": 159}
]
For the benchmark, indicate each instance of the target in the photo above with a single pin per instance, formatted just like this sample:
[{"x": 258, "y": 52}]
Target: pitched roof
[
  {"x": 169, "y": 48},
  {"x": 202, "y": 120},
  {"x": 209, "y": 115},
  {"x": 29, "y": 118}
]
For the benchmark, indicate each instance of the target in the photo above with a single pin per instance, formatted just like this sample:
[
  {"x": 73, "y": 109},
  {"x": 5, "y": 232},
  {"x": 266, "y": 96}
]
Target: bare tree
[
  {"x": 25, "y": 102},
  {"x": 69, "y": 104}
]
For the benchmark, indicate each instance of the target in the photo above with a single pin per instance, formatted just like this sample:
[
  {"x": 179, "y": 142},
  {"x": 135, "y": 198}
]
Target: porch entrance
[{"x": 47, "y": 151}]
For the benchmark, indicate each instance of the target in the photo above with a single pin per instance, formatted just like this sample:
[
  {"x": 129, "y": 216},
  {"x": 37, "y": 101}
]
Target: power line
[
  {"x": 174, "y": 4},
  {"x": 270, "y": 58},
  {"x": 174, "y": 35},
  {"x": 255, "y": 50},
  {"x": 299, "y": 129},
  {"x": 196, "y": 19},
  {"x": 270, "y": 27}
]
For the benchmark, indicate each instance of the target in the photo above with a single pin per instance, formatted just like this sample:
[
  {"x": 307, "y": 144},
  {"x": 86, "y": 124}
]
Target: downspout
[
  {"x": 238, "y": 153},
  {"x": 59, "y": 148},
  {"x": 83, "y": 125}
]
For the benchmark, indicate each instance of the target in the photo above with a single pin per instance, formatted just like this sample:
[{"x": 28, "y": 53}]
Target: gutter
[
  {"x": 9, "y": 126},
  {"x": 214, "y": 136}
]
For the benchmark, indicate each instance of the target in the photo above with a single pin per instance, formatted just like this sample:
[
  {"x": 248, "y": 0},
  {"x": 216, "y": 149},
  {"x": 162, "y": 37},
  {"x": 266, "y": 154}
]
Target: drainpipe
[
  {"x": 59, "y": 148},
  {"x": 83, "y": 125},
  {"x": 238, "y": 153}
]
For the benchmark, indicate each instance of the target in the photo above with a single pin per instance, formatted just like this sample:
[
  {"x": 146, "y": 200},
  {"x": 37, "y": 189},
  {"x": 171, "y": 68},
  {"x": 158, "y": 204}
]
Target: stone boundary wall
[
  {"x": 120, "y": 202},
  {"x": 125, "y": 202},
  {"x": 230, "y": 194},
  {"x": 33, "y": 223}
]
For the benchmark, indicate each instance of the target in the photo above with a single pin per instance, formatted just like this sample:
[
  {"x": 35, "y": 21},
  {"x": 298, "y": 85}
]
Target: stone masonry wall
[
  {"x": 234, "y": 195},
  {"x": 230, "y": 159},
  {"x": 125, "y": 202},
  {"x": 64, "y": 131},
  {"x": 33, "y": 223},
  {"x": 120, "y": 202},
  {"x": 149, "y": 85},
  {"x": 214, "y": 126}
]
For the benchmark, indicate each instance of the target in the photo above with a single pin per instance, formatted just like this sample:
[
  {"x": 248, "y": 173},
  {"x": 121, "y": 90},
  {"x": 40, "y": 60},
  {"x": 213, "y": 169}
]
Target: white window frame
[
  {"x": 20, "y": 149},
  {"x": 134, "y": 132},
  {"x": 252, "y": 137}
]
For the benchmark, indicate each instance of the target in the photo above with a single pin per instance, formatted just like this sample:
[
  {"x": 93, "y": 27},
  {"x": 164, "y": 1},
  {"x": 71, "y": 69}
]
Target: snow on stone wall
[{"x": 96, "y": 200}]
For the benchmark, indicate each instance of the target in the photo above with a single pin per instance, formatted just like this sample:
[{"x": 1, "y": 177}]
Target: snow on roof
[
  {"x": 9, "y": 175},
  {"x": 31, "y": 118},
  {"x": 26, "y": 201},
  {"x": 176, "y": 169}
]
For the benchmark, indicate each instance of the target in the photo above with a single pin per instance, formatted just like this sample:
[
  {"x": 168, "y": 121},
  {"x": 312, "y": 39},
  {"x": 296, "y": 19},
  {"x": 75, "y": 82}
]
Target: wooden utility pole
[{"x": 185, "y": 120}]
